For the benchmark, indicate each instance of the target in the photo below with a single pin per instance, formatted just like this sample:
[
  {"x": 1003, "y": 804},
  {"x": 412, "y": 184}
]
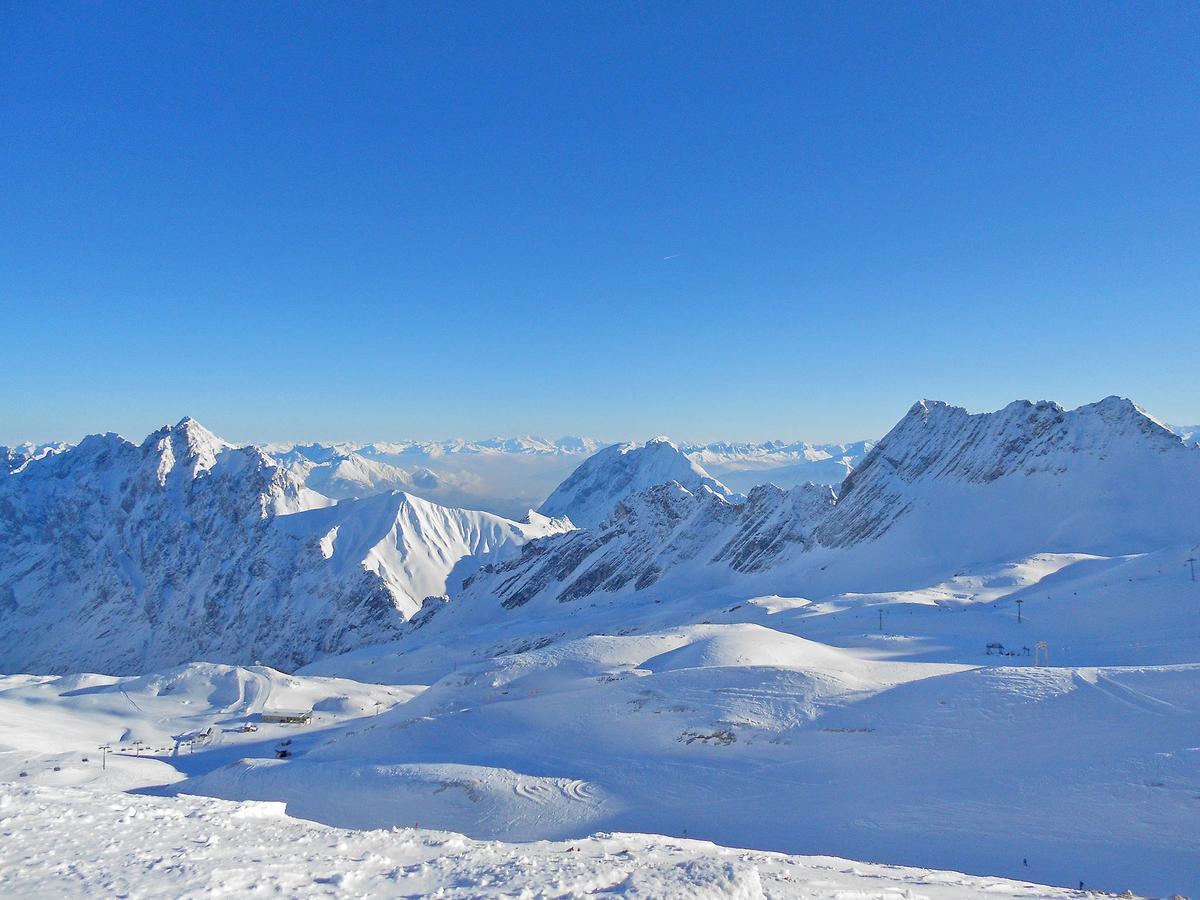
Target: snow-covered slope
[
  {"x": 349, "y": 475},
  {"x": 417, "y": 549},
  {"x": 52, "y": 726},
  {"x": 868, "y": 725},
  {"x": 12, "y": 459},
  {"x": 595, "y": 489},
  {"x": 942, "y": 490},
  {"x": 943, "y": 483},
  {"x": 119, "y": 845},
  {"x": 775, "y": 722},
  {"x": 978, "y": 655},
  {"x": 117, "y": 557}
]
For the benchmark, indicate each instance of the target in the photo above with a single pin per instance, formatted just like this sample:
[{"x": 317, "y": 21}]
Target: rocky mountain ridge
[{"x": 117, "y": 557}]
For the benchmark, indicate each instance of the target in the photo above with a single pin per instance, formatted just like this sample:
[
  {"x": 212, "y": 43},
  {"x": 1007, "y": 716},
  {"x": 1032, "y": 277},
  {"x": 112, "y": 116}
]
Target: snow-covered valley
[{"x": 978, "y": 653}]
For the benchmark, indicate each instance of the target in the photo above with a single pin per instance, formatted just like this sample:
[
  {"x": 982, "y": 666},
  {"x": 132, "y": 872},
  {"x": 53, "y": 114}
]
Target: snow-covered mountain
[
  {"x": 117, "y": 557},
  {"x": 345, "y": 476},
  {"x": 944, "y": 488},
  {"x": 1189, "y": 433},
  {"x": 743, "y": 466},
  {"x": 425, "y": 450},
  {"x": 861, "y": 654},
  {"x": 946, "y": 484},
  {"x": 14, "y": 458},
  {"x": 595, "y": 489},
  {"x": 508, "y": 476}
]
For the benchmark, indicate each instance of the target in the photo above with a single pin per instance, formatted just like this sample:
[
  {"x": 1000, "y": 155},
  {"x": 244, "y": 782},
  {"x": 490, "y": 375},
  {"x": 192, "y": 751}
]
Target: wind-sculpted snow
[
  {"x": 595, "y": 489},
  {"x": 117, "y": 557}
]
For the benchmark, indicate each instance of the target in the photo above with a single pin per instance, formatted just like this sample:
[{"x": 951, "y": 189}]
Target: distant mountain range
[
  {"x": 1189, "y": 433},
  {"x": 117, "y": 556},
  {"x": 509, "y": 476}
]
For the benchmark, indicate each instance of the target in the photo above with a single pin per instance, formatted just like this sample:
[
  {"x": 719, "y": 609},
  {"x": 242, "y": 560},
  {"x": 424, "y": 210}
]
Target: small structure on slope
[{"x": 288, "y": 716}]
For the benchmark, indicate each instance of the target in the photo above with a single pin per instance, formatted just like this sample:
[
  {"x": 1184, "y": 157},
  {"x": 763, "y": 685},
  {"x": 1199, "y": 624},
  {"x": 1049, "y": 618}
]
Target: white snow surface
[
  {"x": 119, "y": 558},
  {"x": 595, "y": 489},
  {"x": 783, "y": 723},
  {"x": 75, "y": 842},
  {"x": 1189, "y": 433},
  {"x": 979, "y": 654}
]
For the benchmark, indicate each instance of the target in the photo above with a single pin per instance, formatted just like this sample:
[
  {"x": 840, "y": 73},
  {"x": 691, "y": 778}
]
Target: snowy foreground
[
  {"x": 77, "y": 841},
  {"x": 978, "y": 654}
]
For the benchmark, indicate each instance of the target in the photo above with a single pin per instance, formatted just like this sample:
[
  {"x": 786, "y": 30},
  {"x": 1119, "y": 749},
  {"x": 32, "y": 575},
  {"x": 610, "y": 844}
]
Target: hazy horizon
[{"x": 134, "y": 434}]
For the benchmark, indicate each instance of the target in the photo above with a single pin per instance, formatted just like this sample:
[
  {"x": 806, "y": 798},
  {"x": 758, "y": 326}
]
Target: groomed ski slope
[{"x": 61, "y": 842}]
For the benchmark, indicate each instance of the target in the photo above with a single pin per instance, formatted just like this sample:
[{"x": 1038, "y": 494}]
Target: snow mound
[{"x": 753, "y": 645}]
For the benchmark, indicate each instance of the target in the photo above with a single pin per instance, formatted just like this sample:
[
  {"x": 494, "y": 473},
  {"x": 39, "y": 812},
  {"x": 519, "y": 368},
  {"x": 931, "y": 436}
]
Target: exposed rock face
[
  {"x": 943, "y": 485},
  {"x": 662, "y": 529},
  {"x": 596, "y": 488},
  {"x": 1047, "y": 465},
  {"x": 118, "y": 557}
]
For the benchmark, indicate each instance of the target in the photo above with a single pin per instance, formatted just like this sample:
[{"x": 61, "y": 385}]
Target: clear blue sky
[{"x": 423, "y": 220}]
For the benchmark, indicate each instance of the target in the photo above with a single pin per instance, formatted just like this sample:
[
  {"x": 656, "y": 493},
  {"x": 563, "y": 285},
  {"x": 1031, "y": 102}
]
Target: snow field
[{"x": 61, "y": 842}]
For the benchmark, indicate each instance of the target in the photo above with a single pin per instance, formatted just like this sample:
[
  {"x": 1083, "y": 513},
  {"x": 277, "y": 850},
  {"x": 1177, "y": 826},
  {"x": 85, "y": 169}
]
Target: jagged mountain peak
[
  {"x": 188, "y": 442},
  {"x": 194, "y": 435},
  {"x": 593, "y": 491},
  {"x": 944, "y": 488},
  {"x": 1102, "y": 477},
  {"x": 937, "y": 437},
  {"x": 115, "y": 555}
]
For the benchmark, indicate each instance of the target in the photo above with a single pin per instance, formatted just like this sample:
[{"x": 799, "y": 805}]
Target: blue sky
[{"x": 378, "y": 221}]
